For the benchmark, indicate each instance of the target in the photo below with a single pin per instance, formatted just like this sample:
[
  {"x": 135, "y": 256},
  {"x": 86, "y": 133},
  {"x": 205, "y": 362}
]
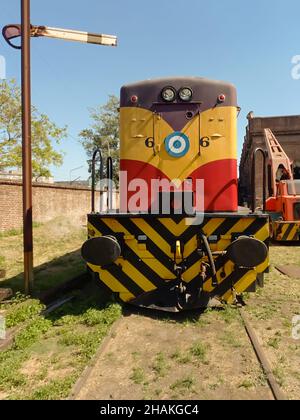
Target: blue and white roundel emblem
[{"x": 177, "y": 144}]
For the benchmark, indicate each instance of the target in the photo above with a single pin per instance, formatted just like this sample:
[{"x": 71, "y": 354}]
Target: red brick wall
[{"x": 49, "y": 202}]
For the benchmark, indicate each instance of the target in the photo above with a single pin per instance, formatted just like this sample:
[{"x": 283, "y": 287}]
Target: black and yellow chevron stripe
[
  {"x": 148, "y": 243},
  {"x": 286, "y": 231}
]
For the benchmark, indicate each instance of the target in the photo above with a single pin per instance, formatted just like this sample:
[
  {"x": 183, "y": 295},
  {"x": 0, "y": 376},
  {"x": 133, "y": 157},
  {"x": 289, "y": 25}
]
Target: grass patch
[
  {"x": 182, "y": 359},
  {"x": 22, "y": 310},
  {"x": 229, "y": 314},
  {"x": 93, "y": 317},
  {"x": 55, "y": 255},
  {"x": 54, "y": 390},
  {"x": 160, "y": 365},
  {"x": 199, "y": 351},
  {"x": 138, "y": 376},
  {"x": 10, "y": 376},
  {"x": 231, "y": 340},
  {"x": 215, "y": 385},
  {"x": 49, "y": 354},
  {"x": 10, "y": 233},
  {"x": 66, "y": 341},
  {"x": 2, "y": 262},
  {"x": 185, "y": 384},
  {"x": 31, "y": 333},
  {"x": 279, "y": 375},
  {"x": 274, "y": 342},
  {"x": 136, "y": 355},
  {"x": 158, "y": 392},
  {"x": 247, "y": 384},
  {"x": 264, "y": 312}
]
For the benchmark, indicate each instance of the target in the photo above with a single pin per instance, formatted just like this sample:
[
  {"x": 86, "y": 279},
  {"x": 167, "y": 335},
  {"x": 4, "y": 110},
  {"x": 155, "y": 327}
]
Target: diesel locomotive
[{"x": 179, "y": 240}]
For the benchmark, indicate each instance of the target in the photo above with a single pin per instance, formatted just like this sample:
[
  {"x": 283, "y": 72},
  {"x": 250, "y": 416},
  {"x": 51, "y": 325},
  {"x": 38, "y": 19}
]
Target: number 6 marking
[
  {"x": 205, "y": 142},
  {"x": 150, "y": 143}
]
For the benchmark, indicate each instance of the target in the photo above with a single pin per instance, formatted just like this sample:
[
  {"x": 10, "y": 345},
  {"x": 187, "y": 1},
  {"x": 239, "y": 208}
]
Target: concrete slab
[{"x": 292, "y": 271}]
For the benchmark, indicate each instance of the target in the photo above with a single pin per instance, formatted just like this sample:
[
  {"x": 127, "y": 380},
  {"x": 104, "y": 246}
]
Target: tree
[
  {"x": 104, "y": 133},
  {"x": 44, "y": 134}
]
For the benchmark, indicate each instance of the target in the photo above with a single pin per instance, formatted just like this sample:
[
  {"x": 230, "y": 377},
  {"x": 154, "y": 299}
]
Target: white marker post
[{"x": 72, "y": 35}]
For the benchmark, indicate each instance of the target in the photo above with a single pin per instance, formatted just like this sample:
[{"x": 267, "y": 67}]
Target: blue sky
[{"x": 248, "y": 43}]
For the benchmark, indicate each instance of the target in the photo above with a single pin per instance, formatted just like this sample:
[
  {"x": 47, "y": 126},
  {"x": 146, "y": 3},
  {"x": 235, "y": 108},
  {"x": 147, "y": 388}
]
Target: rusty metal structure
[
  {"x": 287, "y": 131},
  {"x": 283, "y": 203},
  {"x": 26, "y": 148}
]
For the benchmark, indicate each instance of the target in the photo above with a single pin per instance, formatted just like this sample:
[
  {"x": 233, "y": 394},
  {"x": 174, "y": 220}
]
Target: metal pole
[{"x": 26, "y": 148}]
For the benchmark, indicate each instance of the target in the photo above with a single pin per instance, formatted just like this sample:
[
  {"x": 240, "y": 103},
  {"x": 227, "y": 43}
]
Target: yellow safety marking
[
  {"x": 228, "y": 269},
  {"x": 174, "y": 228},
  {"x": 92, "y": 227},
  {"x": 154, "y": 236},
  {"x": 137, "y": 277},
  {"x": 160, "y": 269},
  {"x": 263, "y": 234},
  {"x": 229, "y": 299},
  {"x": 241, "y": 226},
  {"x": 111, "y": 282},
  {"x": 190, "y": 247},
  {"x": 146, "y": 256},
  {"x": 212, "y": 226},
  {"x": 245, "y": 282},
  {"x": 281, "y": 228},
  {"x": 293, "y": 233},
  {"x": 178, "y": 230},
  {"x": 115, "y": 226},
  {"x": 262, "y": 267},
  {"x": 192, "y": 272}
]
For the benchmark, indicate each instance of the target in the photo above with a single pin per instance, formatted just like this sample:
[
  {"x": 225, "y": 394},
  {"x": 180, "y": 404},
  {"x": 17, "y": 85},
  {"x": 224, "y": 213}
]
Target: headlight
[
  {"x": 168, "y": 94},
  {"x": 186, "y": 94}
]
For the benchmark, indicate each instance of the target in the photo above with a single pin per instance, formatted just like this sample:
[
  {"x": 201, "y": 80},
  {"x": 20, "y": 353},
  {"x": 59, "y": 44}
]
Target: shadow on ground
[{"x": 50, "y": 274}]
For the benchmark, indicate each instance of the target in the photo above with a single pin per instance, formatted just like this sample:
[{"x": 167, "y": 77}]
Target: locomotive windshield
[
  {"x": 294, "y": 187},
  {"x": 297, "y": 211}
]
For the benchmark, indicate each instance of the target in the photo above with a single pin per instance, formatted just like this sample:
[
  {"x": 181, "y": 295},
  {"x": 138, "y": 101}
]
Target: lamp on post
[{"x": 26, "y": 31}]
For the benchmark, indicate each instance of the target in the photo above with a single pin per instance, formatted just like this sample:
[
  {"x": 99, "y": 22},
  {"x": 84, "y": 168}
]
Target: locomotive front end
[{"x": 178, "y": 240}]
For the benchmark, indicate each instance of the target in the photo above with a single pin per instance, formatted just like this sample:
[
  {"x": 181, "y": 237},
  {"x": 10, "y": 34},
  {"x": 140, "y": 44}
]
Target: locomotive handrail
[
  {"x": 253, "y": 180},
  {"x": 110, "y": 179},
  {"x": 96, "y": 152}
]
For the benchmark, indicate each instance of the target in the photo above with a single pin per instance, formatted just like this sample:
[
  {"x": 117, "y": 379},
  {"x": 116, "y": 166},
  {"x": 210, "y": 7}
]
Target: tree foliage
[
  {"x": 44, "y": 134},
  {"x": 103, "y": 133}
]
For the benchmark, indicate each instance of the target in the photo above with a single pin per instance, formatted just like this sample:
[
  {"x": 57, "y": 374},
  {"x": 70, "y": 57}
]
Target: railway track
[
  {"x": 49, "y": 297},
  {"x": 53, "y": 299},
  {"x": 57, "y": 297},
  {"x": 262, "y": 358},
  {"x": 85, "y": 381}
]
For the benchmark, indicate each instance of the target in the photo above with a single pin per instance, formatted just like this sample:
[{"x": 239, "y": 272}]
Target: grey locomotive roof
[{"x": 205, "y": 91}]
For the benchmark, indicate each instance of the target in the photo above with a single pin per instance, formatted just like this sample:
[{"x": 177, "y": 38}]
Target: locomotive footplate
[{"x": 175, "y": 263}]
